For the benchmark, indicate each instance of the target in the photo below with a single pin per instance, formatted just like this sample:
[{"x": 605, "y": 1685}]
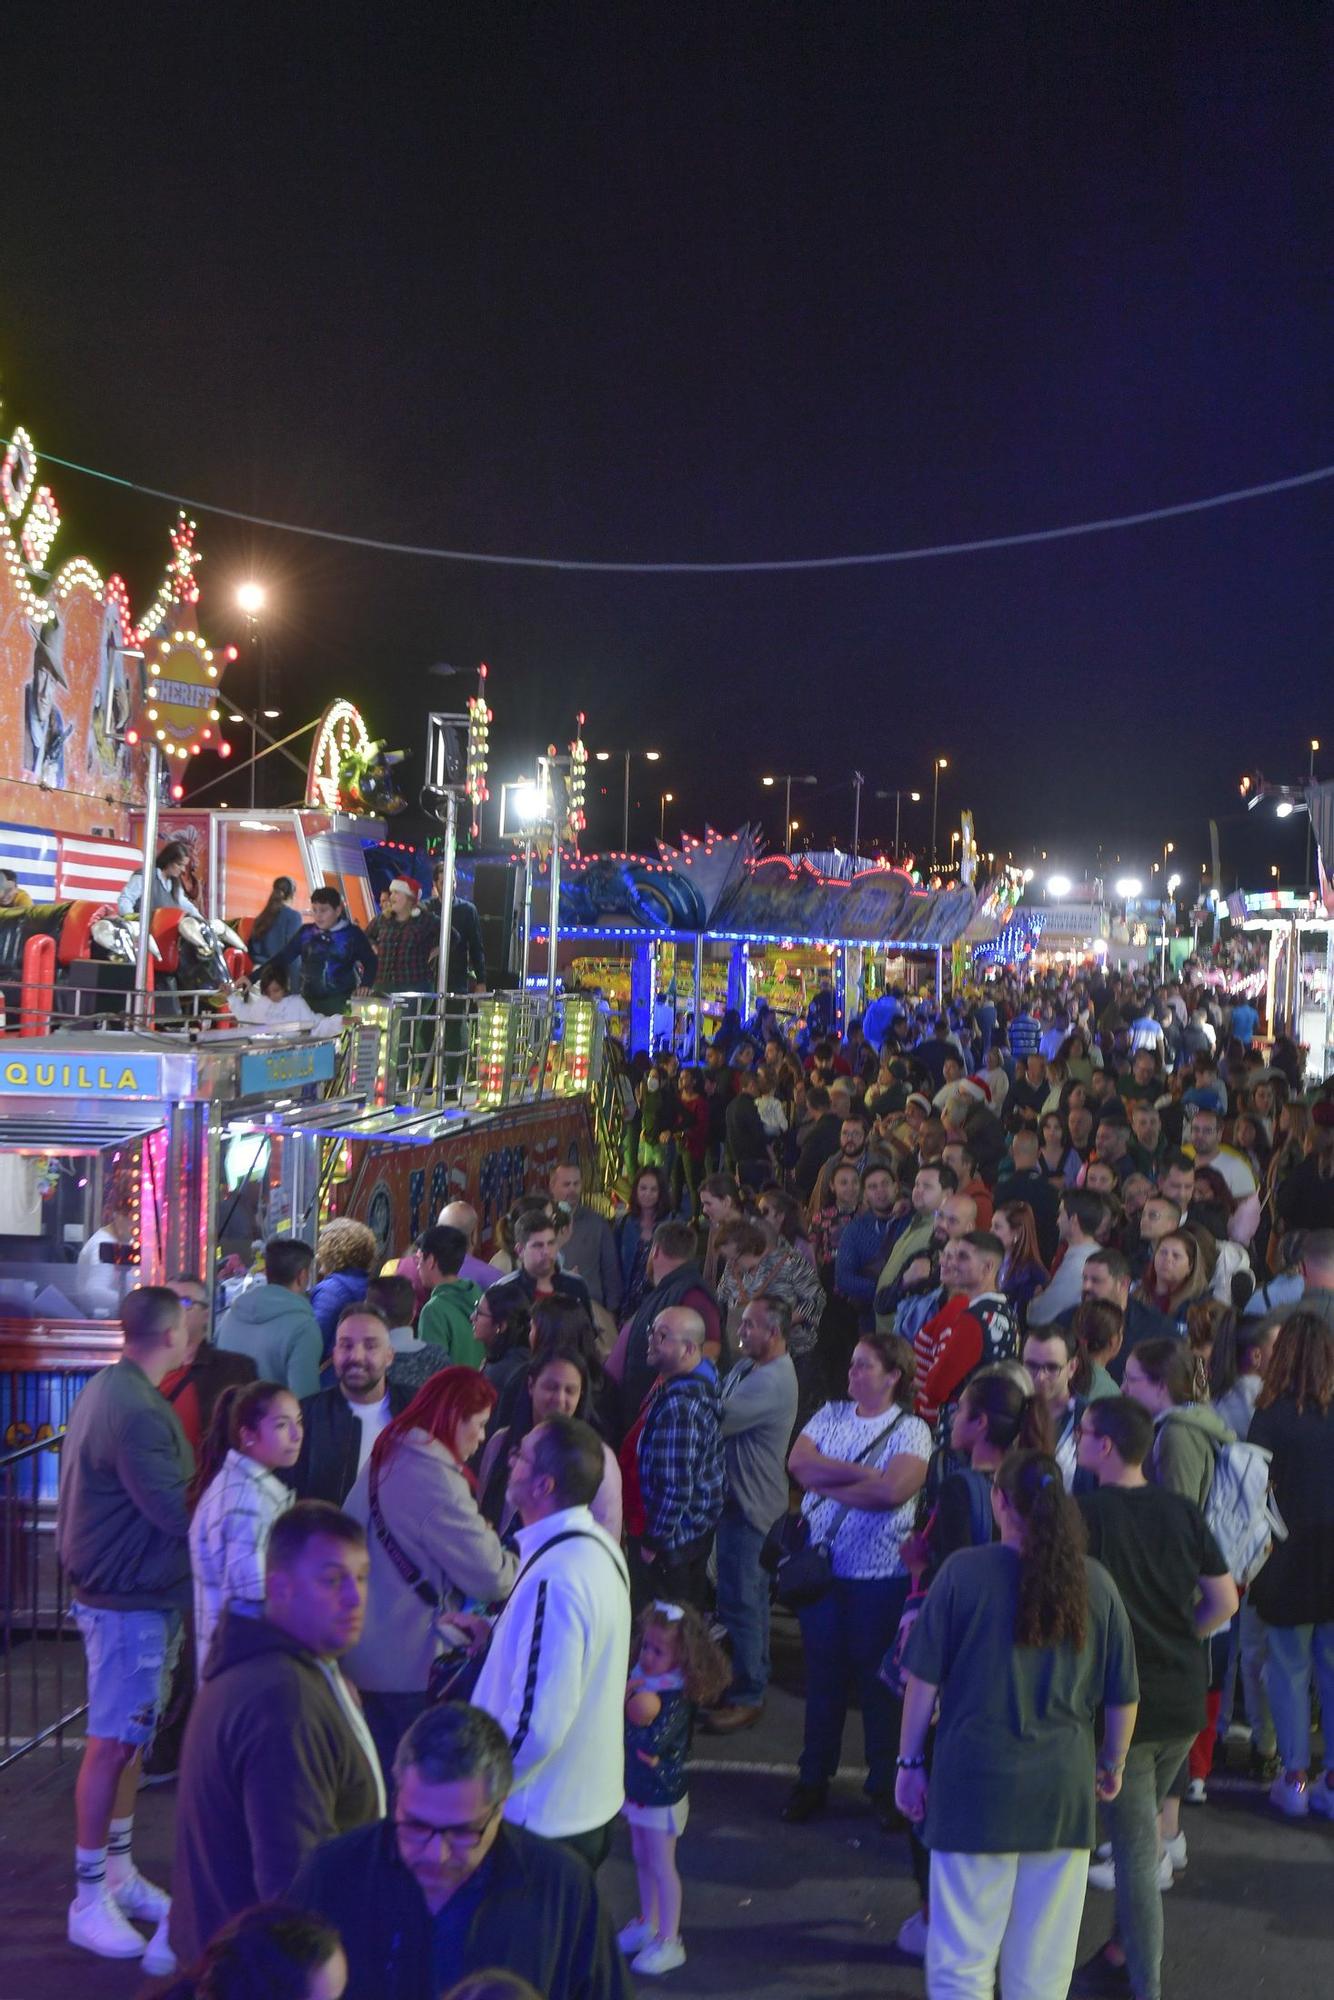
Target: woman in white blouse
[{"x": 862, "y": 1464}]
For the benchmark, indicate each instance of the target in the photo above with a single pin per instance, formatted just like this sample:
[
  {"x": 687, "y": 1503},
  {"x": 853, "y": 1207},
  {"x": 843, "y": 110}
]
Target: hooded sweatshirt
[
  {"x": 1184, "y": 1448},
  {"x": 276, "y": 1760},
  {"x": 446, "y": 1321},
  {"x": 278, "y": 1329}
]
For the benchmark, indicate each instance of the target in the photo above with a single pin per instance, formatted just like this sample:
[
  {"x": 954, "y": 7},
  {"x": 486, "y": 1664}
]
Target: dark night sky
[{"x": 735, "y": 282}]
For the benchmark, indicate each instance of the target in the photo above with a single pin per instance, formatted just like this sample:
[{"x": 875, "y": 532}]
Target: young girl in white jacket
[{"x": 274, "y": 1005}]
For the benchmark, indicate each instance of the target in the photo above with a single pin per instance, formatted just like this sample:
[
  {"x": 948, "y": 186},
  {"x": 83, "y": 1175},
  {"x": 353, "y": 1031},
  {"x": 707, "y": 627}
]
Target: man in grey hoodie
[{"x": 275, "y": 1324}]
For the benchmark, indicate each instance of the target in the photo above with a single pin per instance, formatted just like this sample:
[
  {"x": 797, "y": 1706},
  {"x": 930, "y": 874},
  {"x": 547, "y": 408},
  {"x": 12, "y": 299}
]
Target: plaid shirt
[
  {"x": 404, "y": 953},
  {"x": 681, "y": 1466},
  {"x": 228, "y": 1539}
]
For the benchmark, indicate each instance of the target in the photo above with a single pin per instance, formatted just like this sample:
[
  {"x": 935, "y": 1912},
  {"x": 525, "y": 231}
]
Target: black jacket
[
  {"x": 637, "y": 1375},
  {"x": 1296, "y": 1585},
  {"x": 747, "y": 1139},
  {"x": 819, "y": 1145},
  {"x": 539, "y": 1915},
  {"x": 1142, "y": 1322},
  {"x": 270, "y": 1768},
  {"x": 331, "y": 1444}
]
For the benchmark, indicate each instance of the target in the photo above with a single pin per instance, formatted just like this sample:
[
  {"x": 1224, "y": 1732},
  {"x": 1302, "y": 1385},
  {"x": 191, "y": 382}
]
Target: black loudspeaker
[
  {"x": 493, "y": 890},
  {"x": 93, "y": 986}
]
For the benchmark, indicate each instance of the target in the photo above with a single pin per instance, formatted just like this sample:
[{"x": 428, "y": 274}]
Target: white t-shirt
[
  {"x": 867, "y": 1543},
  {"x": 1235, "y": 1170},
  {"x": 372, "y": 1417}
]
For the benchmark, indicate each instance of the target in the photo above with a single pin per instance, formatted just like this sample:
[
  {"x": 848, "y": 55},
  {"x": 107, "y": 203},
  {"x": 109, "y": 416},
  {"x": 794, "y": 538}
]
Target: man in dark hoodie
[
  {"x": 277, "y": 1754},
  {"x": 675, "y": 1279},
  {"x": 337, "y": 960}
]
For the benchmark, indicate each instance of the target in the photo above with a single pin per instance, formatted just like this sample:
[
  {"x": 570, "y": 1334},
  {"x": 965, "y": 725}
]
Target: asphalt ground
[{"x": 772, "y": 1911}]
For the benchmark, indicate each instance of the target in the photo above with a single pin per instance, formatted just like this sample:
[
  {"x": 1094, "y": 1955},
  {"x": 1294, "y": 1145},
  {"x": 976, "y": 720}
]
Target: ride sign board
[
  {"x": 84, "y": 1075},
  {"x": 180, "y": 695},
  {"x": 287, "y": 1068}
]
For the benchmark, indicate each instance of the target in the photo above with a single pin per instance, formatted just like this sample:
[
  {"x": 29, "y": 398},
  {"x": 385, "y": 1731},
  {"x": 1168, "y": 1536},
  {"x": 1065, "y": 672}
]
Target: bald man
[
  {"x": 677, "y": 1448},
  {"x": 462, "y": 1215}
]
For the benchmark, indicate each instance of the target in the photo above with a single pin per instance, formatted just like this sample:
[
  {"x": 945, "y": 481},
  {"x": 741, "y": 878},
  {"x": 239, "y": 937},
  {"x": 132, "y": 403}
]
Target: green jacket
[
  {"x": 1182, "y": 1459},
  {"x": 122, "y": 1520},
  {"x": 446, "y": 1321}
]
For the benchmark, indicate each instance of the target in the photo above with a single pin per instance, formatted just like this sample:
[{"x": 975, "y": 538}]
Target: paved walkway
[{"x": 773, "y": 1912}]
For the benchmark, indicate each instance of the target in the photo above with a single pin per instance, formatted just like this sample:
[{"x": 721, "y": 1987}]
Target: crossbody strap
[
  {"x": 861, "y": 1459},
  {"x": 413, "y": 1577}
]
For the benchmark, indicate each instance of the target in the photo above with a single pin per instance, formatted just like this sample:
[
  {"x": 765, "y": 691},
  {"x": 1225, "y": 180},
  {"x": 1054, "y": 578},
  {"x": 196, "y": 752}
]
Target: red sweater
[{"x": 948, "y": 1347}]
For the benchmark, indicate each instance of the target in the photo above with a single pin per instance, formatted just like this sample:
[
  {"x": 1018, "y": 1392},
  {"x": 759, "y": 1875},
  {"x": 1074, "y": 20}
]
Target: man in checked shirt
[{"x": 677, "y": 1444}]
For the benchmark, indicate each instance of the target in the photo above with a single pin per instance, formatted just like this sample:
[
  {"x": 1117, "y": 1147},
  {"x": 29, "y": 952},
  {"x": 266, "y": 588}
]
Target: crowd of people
[{"x": 1003, "y": 1359}]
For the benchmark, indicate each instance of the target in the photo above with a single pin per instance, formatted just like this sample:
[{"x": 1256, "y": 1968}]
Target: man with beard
[{"x": 342, "y": 1423}]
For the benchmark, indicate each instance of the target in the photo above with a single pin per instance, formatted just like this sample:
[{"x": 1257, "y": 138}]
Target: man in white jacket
[{"x": 555, "y": 1672}]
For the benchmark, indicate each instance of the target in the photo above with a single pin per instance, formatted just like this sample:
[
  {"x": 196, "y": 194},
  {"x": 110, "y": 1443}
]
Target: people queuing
[{"x": 961, "y": 1317}]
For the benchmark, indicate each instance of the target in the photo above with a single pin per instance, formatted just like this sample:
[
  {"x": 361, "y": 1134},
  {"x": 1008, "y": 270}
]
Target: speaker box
[
  {"x": 493, "y": 892},
  {"x": 93, "y": 986}
]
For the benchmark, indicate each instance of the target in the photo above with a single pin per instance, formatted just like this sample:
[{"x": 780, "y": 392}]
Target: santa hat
[
  {"x": 919, "y": 1097},
  {"x": 411, "y": 889},
  {"x": 973, "y": 1087}
]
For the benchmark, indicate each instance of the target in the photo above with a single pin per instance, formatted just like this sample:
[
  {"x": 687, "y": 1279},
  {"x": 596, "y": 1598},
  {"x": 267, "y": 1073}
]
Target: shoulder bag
[
  {"x": 802, "y": 1569},
  {"x": 454, "y": 1674}
]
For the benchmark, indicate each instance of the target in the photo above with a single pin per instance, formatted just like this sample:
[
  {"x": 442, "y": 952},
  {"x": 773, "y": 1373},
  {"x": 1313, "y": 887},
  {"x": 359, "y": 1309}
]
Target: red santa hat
[
  {"x": 975, "y": 1088},
  {"x": 409, "y": 885}
]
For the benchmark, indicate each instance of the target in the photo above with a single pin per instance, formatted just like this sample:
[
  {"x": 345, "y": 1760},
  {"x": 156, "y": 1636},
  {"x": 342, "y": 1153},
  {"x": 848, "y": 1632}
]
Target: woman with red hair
[{"x": 431, "y": 1550}]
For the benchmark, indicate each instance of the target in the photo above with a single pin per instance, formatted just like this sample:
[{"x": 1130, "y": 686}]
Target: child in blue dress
[{"x": 676, "y": 1668}]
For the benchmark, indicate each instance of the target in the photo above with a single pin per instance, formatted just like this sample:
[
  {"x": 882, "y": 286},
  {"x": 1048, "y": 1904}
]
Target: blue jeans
[
  {"x": 131, "y": 1656},
  {"x": 743, "y": 1605},
  {"x": 846, "y": 1636},
  {"x": 1293, "y": 1650},
  {"x": 1132, "y": 1821}
]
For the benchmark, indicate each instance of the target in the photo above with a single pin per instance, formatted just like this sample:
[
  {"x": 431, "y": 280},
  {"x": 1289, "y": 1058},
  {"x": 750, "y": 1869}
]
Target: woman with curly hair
[
  {"x": 1294, "y": 1592},
  {"x": 1022, "y": 1643},
  {"x": 346, "y": 1253}
]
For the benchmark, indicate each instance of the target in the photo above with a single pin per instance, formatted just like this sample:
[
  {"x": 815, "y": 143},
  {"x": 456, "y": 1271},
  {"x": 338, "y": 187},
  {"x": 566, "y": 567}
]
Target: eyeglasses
[
  {"x": 418, "y": 1833},
  {"x": 1045, "y": 1367}
]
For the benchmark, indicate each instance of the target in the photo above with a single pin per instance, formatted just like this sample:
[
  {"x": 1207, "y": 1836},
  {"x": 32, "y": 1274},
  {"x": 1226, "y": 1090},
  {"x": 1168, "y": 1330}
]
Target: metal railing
[{"x": 40, "y": 1672}]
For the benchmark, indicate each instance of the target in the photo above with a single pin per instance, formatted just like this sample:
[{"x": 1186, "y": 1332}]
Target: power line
[{"x": 980, "y": 545}]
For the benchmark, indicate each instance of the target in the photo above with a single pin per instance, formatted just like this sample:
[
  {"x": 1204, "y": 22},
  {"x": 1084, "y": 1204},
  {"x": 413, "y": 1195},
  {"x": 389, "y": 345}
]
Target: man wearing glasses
[
  {"x": 1051, "y": 1357},
  {"x": 448, "y": 1886}
]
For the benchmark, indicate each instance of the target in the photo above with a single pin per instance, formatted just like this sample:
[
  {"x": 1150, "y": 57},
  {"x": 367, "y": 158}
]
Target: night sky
[{"x": 707, "y": 282}]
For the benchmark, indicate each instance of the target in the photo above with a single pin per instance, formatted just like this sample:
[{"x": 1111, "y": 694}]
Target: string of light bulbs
[{"x": 978, "y": 545}]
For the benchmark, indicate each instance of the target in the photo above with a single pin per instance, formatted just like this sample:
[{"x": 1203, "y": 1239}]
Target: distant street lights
[
  {"x": 788, "y": 779},
  {"x": 664, "y": 800},
  {"x": 898, "y": 793},
  {"x": 605, "y": 756},
  {"x": 938, "y": 765}
]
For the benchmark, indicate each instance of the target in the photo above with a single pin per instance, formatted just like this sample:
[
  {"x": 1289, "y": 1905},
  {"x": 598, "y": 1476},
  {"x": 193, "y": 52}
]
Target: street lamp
[
  {"x": 604, "y": 757},
  {"x": 1310, "y": 779},
  {"x": 1129, "y": 886},
  {"x": 788, "y": 779},
  {"x": 251, "y": 598},
  {"x": 898, "y": 793},
  {"x": 664, "y": 800},
  {"x": 1058, "y": 886},
  {"x": 938, "y": 765}
]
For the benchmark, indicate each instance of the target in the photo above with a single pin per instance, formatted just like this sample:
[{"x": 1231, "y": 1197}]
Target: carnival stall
[{"x": 719, "y": 918}]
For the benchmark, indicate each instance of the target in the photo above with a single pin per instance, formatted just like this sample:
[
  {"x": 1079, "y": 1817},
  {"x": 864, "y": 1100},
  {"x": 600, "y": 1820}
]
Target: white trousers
[{"x": 1021, "y": 1909}]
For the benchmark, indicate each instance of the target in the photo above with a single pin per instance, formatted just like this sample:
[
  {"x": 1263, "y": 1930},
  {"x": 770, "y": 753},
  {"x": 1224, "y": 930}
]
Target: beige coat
[{"x": 429, "y": 1509}]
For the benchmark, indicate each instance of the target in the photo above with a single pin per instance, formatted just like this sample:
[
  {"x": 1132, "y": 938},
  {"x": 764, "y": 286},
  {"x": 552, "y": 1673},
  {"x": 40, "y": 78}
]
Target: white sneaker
[
  {"x": 1102, "y": 1874},
  {"x": 159, "y": 1958},
  {"x": 635, "y": 1936},
  {"x": 663, "y": 1955},
  {"x": 1291, "y": 1796},
  {"x": 99, "y": 1926},
  {"x": 1103, "y": 1851},
  {"x": 137, "y": 1897},
  {"x": 1175, "y": 1850},
  {"x": 911, "y": 1939},
  {"x": 1320, "y": 1796},
  {"x": 1196, "y": 1793}
]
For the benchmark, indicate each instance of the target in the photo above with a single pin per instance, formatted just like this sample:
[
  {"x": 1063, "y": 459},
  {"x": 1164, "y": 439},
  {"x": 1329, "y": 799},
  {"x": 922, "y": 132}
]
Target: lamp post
[
  {"x": 664, "y": 800},
  {"x": 938, "y": 765},
  {"x": 897, "y": 793},
  {"x": 857, "y": 782},
  {"x": 1310, "y": 779},
  {"x": 604, "y": 757},
  {"x": 251, "y": 597},
  {"x": 787, "y": 779}
]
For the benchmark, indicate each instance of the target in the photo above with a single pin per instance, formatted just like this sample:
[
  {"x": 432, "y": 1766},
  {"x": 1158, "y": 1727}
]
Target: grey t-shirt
[
  {"x": 1014, "y": 1759},
  {"x": 759, "y": 1410}
]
